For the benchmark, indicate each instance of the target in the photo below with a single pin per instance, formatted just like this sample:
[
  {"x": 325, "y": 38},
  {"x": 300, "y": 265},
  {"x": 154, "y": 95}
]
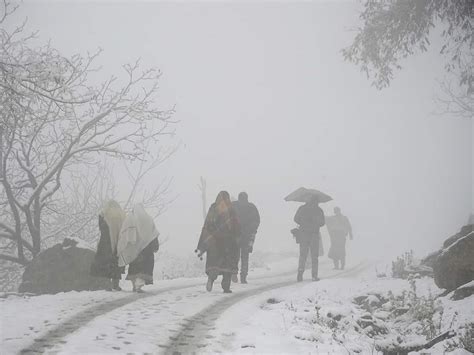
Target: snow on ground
[
  {"x": 26, "y": 318},
  {"x": 308, "y": 317},
  {"x": 323, "y": 318}
]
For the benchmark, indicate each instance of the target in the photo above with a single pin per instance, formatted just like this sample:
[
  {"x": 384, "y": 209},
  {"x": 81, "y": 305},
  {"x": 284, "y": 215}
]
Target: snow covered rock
[
  {"x": 463, "y": 292},
  {"x": 61, "y": 268},
  {"x": 454, "y": 265}
]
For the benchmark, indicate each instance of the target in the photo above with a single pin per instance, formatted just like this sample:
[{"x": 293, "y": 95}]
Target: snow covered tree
[
  {"x": 395, "y": 29},
  {"x": 55, "y": 120}
]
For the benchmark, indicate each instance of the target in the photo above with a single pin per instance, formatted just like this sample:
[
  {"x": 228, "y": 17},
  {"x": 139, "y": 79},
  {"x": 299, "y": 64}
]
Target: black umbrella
[{"x": 305, "y": 195}]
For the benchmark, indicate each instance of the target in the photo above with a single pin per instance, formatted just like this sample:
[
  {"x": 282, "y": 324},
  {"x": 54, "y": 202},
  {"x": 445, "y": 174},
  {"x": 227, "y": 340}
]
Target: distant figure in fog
[
  {"x": 218, "y": 239},
  {"x": 338, "y": 227},
  {"x": 310, "y": 218},
  {"x": 137, "y": 245},
  {"x": 105, "y": 263},
  {"x": 249, "y": 220}
]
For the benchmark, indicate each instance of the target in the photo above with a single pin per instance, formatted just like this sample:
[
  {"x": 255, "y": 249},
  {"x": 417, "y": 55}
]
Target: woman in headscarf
[
  {"x": 219, "y": 239},
  {"x": 105, "y": 262},
  {"x": 137, "y": 245}
]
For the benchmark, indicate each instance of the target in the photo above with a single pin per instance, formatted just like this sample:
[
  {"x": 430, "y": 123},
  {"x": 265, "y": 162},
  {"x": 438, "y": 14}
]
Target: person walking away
[
  {"x": 310, "y": 218},
  {"x": 338, "y": 227},
  {"x": 219, "y": 239},
  {"x": 137, "y": 244},
  {"x": 105, "y": 262},
  {"x": 249, "y": 220}
]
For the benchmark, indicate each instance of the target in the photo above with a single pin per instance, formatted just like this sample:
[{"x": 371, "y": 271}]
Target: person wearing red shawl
[{"x": 219, "y": 240}]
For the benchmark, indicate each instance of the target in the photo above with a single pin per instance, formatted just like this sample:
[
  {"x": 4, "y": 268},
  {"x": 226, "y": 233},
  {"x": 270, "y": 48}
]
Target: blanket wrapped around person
[
  {"x": 136, "y": 247},
  {"x": 219, "y": 238}
]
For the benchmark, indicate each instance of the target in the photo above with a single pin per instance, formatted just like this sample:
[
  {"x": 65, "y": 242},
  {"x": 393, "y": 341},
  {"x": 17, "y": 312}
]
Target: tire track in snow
[
  {"x": 193, "y": 336},
  {"x": 56, "y": 335}
]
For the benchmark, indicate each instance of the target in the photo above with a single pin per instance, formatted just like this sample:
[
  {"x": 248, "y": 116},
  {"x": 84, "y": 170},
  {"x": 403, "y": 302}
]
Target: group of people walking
[
  {"x": 227, "y": 238},
  {"x": 126, "y": 240},
  {"x": 310, "y": 218}
]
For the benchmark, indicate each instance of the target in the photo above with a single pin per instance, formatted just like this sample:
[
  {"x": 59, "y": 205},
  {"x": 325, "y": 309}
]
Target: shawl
[
  {"x": 138, "y": 230},
  {"x": 114, "y": 216}
]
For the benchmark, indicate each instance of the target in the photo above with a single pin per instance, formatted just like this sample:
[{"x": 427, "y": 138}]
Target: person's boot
[
  {"x": 235, "y": 278},
  {"x": 209, "y": 284},
  {"x": 299, "y": 277},
  {"x": 115, "y": 285},
  {"x": 315, "y": 278},
  {"x": 226, "y": 279},
  {"x": 243, "y": 279},
  {"x": 336, "y": 264}
]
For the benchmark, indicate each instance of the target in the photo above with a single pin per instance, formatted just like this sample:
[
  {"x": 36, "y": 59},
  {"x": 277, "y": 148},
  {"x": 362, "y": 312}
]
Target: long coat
[
  {"x": 338, "y": 227},
  {"x": 249, "y": 220},
  {"x": 219, "y": 239},
  {"x": 105, "y": 262},
  {"x": 144, "y": 264}
]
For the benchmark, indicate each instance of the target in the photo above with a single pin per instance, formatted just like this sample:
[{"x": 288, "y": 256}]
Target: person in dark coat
[
  {"x": 105, "y": 262},
  {"x": 219, "y": 240},
  {"x": 310, "y": 218},
  {"x": 338, "y": 227},
  {"x": 249, "y": 220}
]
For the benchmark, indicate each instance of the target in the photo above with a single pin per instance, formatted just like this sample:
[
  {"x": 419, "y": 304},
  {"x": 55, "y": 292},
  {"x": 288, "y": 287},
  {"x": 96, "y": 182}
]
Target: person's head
[
  {"x": 243, "y": 197},
  {"x": 223, "y": 196},
  {"x": 337, "y": 211}
]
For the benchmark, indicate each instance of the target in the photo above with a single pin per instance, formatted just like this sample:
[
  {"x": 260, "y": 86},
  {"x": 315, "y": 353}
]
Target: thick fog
[{"x": 266, "y": 104}]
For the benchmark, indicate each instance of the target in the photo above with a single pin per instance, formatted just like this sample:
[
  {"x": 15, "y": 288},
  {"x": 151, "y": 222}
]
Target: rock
[
  {"x": 454, "y": 266},
  {"x": 373, "y": 300},
  {"x": 382, "y": 315},
  {"x": 61, "y": 268},
  {"x": 400, "y": 311},
  {"x": 463, "y": 291},
  {"x": 360, "y": 299}
]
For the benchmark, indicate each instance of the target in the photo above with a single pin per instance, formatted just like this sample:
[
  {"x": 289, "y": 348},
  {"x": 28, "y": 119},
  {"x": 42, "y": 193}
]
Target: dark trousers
[
  {"x": 226, "y": 279},
  {"x": 244, "y": 261},
  {"x": 342, "y": 260},
  {"x": 306, "y": 245}
]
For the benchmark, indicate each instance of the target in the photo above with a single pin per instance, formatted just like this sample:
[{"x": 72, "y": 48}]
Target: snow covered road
[{"x": 176, "y": 316}]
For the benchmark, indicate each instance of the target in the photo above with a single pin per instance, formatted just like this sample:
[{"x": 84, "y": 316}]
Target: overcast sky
[{"x": 267, "y": 104}]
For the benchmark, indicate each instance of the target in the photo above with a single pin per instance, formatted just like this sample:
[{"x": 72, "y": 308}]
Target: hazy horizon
[{"x": 266, "y": 104}]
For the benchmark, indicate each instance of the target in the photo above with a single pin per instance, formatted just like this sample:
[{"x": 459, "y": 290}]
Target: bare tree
[
  {"x": 54, "y": 120},
  {"x": 203, "y": 188}
]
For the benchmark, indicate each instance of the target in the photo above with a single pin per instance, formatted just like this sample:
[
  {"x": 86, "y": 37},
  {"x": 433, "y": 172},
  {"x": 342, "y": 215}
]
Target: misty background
[{"x": 267, "y": 104}]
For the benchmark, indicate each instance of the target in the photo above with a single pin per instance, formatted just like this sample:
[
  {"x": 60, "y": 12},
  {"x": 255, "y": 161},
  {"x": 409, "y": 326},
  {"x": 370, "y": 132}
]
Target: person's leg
[
  {"x": 304, "y": 248},
  {"x": 139, "y": 283},
  {"x": 314, "y": 246},
  {"x": 211, "y": 277},
  {"x": 115, "y": 285},
  {"x": 226, "y": 282},
  {"x": 238, "y": 257},
  {"x": 244, "y": 267},
  {"x": 343, "y": 258},
  {"x": 336, "y": 263}
]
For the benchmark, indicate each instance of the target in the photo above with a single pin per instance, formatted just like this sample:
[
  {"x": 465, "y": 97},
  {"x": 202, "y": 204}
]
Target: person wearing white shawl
[
  {"x": 105, "y": 262},
  {"x": 136, "y": 247}
]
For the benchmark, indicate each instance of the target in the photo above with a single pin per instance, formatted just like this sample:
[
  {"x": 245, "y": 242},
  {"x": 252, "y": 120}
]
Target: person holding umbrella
[{"x": 310, "y": 218}]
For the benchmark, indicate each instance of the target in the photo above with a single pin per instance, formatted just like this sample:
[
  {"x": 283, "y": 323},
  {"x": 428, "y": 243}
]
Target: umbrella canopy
[{"x": 305, "y": 195}]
